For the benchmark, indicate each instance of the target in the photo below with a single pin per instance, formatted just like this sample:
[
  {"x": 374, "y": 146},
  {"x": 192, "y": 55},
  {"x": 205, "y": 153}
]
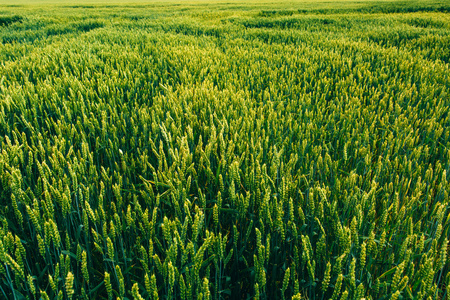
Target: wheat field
[{"x": 224, "y": 150}]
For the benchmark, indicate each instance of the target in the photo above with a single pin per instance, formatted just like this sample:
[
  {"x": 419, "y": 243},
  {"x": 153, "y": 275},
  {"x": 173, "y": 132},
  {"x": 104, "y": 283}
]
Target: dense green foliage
[{"x": 216, "y": 151}]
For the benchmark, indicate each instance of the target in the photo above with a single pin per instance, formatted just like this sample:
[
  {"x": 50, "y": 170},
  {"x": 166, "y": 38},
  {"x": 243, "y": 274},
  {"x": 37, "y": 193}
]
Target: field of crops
[{"x": 212, "y": 150}]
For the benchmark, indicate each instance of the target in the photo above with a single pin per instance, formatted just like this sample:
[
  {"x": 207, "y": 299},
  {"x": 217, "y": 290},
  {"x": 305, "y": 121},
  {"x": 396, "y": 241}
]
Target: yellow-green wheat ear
[
  {"x": 154, "y": 288},
  {"x": 326, "y": 278},
  {"x": 337, "y": 287},
  {"x": 448, "y": 284},
  {"x": 297, "y": 296},
  {"x": 216, "y": 215},
  {"x": 84, "y": 267},
  {"x": 121, "y": 280},
  {"x": 110, "y": 249},
  {"x": 205, "y": 289},
  {"x": 395, "y": 295},
  {"x": 2, "y": 252},
  {"x": 69, "y": 285},
  {"x": 16, "y": 210},
  {"x": 108, "y": 286},
  {"x": 52, "y": 283},
  {"x": 135, "y": 292},
  {"x": 15, "y": 266},
  {"x": 31, "y": 285},
  {"x": 362, "y": 255},
  {"x": 285, "y": 281},
  {"x": 344, "y": 295},
  {"x": 147, "y": 284},
  {"x": 44, "y": 295},
  {"x": 360, "y": 291}
]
